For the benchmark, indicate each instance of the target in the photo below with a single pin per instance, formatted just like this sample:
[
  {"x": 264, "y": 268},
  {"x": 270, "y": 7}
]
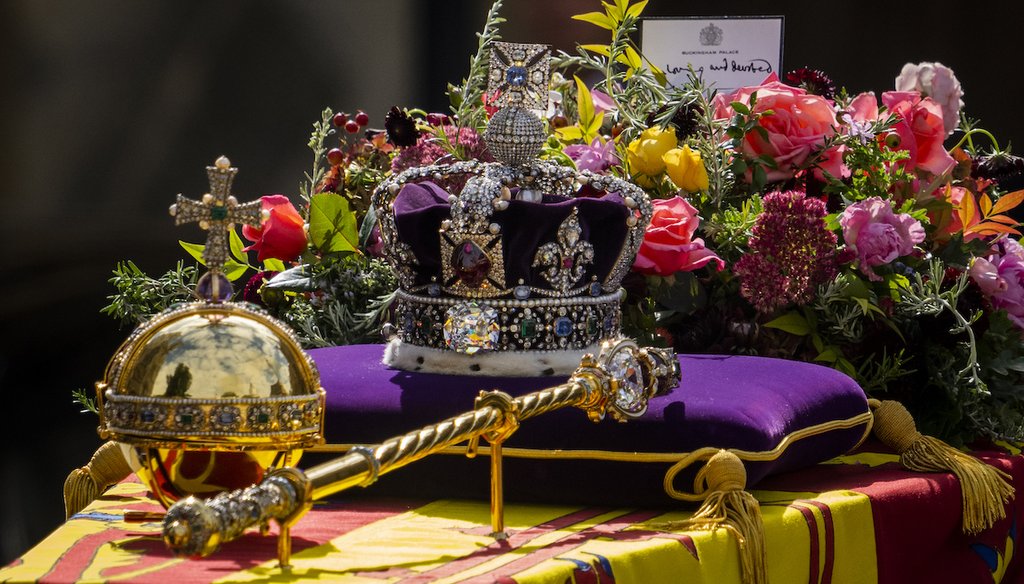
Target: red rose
[
  {"x": 668, "y": 245},
  {"x": 281, "y": 236}
]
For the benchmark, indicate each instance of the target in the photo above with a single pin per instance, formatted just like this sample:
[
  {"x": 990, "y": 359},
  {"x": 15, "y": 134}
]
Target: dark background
[{"x": 109, "y": 108}]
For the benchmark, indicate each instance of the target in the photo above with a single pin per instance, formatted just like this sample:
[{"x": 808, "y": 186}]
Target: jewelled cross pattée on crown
[
  {"x": 217, "y": 212},
  {"x": 519, "y": 75}
]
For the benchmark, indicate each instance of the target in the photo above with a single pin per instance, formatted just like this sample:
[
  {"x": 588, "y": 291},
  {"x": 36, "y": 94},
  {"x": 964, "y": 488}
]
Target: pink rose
[
  {"x": 878, "y": 235},
  {"x": 938, "y": 82},
  {"x": 921, "y": 131},
  {"x": 797, "y": 127},
  {"x": 281, "y": 235},
  {"x": 1001, "y": 279},
  {"x": 918, "y": 126},
  {"x": 668, "y": 245}
]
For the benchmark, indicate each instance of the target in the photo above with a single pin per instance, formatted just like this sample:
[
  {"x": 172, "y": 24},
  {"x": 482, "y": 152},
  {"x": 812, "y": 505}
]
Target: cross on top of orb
[
  {"x": 217, "y": 212},
  {"x": 520, "y": 73}
]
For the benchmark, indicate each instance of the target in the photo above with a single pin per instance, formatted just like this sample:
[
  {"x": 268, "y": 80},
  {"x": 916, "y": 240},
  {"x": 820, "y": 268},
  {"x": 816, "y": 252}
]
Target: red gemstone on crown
[{"x": 471, "y": 264}]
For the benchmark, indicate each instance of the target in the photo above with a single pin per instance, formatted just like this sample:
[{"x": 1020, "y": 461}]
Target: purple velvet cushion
[{"x": 747, "y": 403}]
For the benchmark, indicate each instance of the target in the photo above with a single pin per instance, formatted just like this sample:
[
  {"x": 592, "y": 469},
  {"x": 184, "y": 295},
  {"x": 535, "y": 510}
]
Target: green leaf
[
  {"x": 596, "y": 18},
  {"x": 569, "y": 133},
  {"x": 366, "y": 228},
  {"x": 297, "y": 279},
  {"x": 274, "y": 265},
  {"x": 332, "y": 224},
  {"x": 234, "y": 270},
  {"x": 829, "y": 355},
  {"x": 195, "y": 250},
  {"x": 584, "y": 103},
  {"x": 636, "y": 9},
  {"x": 740, "y": 108},
  {"x": 792, "y": 322},
  {"x": 236, "y": 247},
  {"x": 599, "y": 49}
]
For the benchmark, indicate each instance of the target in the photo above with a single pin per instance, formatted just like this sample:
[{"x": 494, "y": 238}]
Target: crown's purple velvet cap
[{"x": 421, "y": 207}]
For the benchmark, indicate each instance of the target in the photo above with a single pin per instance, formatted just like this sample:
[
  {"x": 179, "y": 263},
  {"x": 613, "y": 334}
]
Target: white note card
[{"x": 728, "y": 52}]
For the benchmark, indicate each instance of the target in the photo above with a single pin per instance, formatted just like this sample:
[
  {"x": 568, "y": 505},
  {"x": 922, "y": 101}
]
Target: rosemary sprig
[{"x": 470, "y": 111}]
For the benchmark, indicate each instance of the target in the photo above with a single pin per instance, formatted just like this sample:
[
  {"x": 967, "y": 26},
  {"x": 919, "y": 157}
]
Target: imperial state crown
[{"x": 518, "y": 273}]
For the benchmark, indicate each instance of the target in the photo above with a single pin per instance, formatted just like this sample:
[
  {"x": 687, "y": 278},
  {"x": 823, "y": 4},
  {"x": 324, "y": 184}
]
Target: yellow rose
[
  {"x": 645, "y": 153},
  {"x": 686, "y": 169}
]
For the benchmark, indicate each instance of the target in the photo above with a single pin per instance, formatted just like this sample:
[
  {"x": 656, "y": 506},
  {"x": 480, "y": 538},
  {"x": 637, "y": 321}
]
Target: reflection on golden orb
[{"x": 210, "y": 396}]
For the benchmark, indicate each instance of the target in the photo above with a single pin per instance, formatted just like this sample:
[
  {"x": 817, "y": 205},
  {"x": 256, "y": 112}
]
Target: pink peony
[
  {"x": 797, "y": 127},
  {"x": 938, "y": 82},
  {"x": 669, "y": 245},
  {"x": 878, "y": 235},
  {"x": 918, "y": 126},
  {"x": 1001, "y": 278}
]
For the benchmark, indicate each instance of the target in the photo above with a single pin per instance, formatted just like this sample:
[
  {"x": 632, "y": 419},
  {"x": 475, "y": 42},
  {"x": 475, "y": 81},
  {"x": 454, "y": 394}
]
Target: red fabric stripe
[
  {"x": 830, "y": 540},
  {"x": 812, "y": 531}
]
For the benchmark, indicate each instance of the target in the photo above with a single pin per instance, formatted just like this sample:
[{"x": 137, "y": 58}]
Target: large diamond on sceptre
[
  {"x": 470, "y": 327},
  {"x": 217, "y": 212}
]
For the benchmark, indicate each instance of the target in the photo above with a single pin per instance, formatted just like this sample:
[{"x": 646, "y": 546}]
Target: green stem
[{"x": 968, "y": 137}]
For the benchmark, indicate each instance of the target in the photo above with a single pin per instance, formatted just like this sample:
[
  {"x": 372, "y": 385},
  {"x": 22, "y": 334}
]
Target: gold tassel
[
  {"x": 106, "y": 467},
  {"x": 985, "y": 490},
  {"x": 727, "y": 505}
]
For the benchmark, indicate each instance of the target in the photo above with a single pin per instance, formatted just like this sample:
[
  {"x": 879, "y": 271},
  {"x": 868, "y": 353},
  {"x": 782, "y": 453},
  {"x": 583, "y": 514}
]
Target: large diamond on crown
[{"x": 470, "y": 327}]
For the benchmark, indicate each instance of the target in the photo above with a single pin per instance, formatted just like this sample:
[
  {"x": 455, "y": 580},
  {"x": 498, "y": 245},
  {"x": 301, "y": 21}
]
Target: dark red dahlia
[
  {"x": 686, "y": 121},
  {"x": 401, "y": 128},
  {"x": 1002, "y": 167},
  {"x": 812, "y": 81}
]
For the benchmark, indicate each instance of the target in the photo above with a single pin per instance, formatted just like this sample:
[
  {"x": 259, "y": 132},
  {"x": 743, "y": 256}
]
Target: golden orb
[{"x": 211, "y": 395}]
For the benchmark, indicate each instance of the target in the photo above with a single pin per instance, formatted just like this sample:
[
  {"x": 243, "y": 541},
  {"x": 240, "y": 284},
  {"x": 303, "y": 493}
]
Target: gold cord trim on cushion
[
  {"x": 666, "y": 457},
  {"x": 106, "y": 467},
  {"x": 985, "y": 490}
]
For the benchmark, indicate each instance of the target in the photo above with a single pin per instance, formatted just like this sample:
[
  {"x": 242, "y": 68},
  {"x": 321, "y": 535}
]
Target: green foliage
[
  {"x": 317, "y": 143},
  {"x": 730, "y": 228},
  {"x": 466, "y": 101},
  {"x": 84, "y": 399},
  {"x": 233, "y": 269},
  {"x": 355, "y": 292},
  {"x": 140, "y": 297},
  {"x": 332, "y": 224}
]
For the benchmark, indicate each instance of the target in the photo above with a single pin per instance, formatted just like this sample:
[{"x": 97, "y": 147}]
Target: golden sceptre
[{"x": 619, "y": 381}]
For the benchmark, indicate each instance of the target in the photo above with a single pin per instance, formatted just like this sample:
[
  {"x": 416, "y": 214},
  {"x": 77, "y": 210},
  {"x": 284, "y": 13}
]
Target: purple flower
[
  {"x": 878, "y": 235},
  {"x": 602, "y": 101},
  {"x": 792, "y": 252},
  {"x": 595, "y": 157}
]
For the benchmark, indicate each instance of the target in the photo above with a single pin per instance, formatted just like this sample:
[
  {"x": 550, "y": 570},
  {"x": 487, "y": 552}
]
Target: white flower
[{"x": 938, "y": 82}]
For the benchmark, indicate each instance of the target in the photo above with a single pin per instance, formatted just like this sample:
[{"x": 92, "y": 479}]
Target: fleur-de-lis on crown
[{"x": 566, "y": 261}]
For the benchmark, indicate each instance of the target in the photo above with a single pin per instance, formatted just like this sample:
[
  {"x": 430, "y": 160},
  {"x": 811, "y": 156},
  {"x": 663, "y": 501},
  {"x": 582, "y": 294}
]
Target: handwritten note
[{"x": 728, "y": 52}]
